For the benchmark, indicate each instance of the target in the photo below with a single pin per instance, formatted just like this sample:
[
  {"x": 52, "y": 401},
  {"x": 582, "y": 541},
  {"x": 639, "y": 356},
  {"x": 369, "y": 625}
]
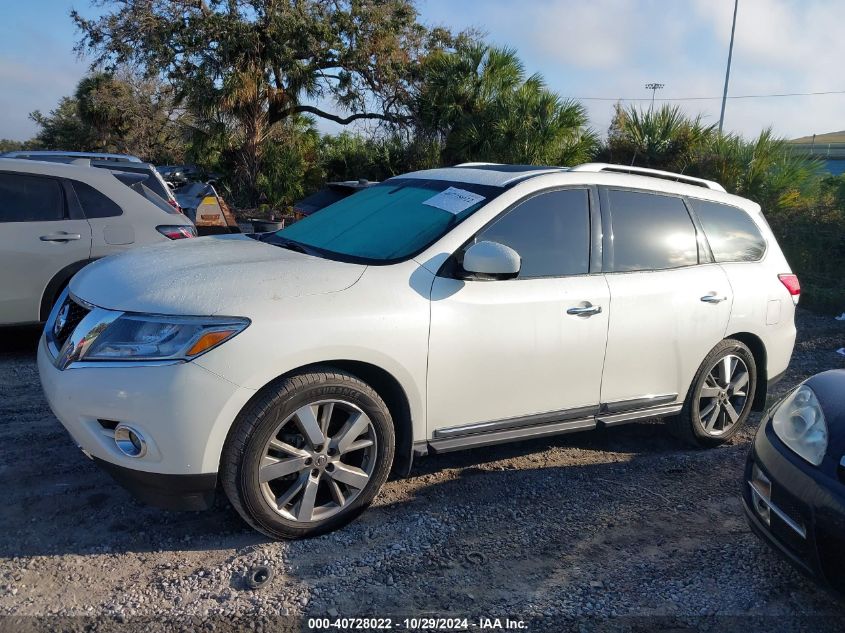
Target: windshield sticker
[{"x": 454, "y": 200}]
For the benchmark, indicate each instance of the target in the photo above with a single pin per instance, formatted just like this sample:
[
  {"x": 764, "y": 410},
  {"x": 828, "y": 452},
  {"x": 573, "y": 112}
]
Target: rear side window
[
  {"x": 149, "y": 194},
  {"x": 650, "y": 232},
  {"x": 152, "y": 182},
  {"x": 95, "y": 204},
  {"x": 30, "y": 199},
  {"x": 551, "y": 233},
  {"x": 732, "y": 234}
]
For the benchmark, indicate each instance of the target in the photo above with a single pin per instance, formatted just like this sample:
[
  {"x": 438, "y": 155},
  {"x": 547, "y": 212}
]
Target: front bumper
[
  {"x": 170, "y": 492},
  {"x": 807, "y": 521},
  {"x": 183, "y": 411}
]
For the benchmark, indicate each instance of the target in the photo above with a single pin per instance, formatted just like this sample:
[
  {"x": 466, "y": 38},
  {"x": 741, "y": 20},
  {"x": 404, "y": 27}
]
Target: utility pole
[
  {"x": 654, "y": 87},
  {"x": 728, "y": 71}
]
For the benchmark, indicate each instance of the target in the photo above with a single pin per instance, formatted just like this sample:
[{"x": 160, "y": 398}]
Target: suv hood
[{"x": 229, "y": 275}]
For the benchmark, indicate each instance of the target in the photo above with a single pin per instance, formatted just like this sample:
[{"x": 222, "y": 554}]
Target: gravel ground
[{"x": 625, "y": 524}]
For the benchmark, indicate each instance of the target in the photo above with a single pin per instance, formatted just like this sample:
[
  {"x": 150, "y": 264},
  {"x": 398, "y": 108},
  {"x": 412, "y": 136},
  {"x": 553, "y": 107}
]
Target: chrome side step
[
  {"x": 535, "y": 426},
  {"x": 640, "y": 414},
  {"x": 510, "y": 435}
]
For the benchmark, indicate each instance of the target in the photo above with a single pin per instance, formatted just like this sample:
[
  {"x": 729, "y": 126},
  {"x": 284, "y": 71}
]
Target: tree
[
  {"x": 9, "y": 145},
  {"x": 243, "y": 67},
  {"x": 664, "y": 138},
  {"x": 477, "y": 102},
  {"x": 361, "y": 55},
  {"x": 348, "y": 156},
  {"x": 62, "y": 128},
  {"x": 122, "y": 113},
  {"x": 764, "y": 169}
]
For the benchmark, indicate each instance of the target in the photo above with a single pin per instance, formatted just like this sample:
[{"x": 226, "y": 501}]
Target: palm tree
[
  {"x": 479, "y": 105},
  {"x": 764, "y": 169},
  {"x": 664, "y": 138}
]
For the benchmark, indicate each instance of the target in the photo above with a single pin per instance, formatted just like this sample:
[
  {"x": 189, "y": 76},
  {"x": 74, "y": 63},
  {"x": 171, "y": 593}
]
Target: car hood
[{"x": 229, "y": 275}]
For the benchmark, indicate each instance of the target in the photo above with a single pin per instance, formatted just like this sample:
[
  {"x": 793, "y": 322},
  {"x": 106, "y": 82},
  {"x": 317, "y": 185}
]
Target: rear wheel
[
  {"x": 309, "y": 456},
  {"x": 719, "y": 400}
]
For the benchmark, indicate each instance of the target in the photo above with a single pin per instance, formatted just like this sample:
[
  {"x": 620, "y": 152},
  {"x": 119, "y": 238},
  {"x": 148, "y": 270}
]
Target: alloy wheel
[
  {"x": 318, "y": 460},
  {"x": 724, "y": 395}
]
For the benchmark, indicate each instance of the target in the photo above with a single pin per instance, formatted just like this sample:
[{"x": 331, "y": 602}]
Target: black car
[{"x": 794, "y": 489}]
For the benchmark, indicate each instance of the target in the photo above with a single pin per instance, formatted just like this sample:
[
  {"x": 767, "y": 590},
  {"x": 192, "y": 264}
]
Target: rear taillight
[
  {"x": 176, "y": 206},
  {"x": 790, "y": 281},
  {"x": 178, "y": 232}
]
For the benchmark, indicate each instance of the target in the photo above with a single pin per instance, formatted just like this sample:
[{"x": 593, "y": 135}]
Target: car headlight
[
  {"x": 799, "y": 423},
  {"x": 147, "y": 337}
]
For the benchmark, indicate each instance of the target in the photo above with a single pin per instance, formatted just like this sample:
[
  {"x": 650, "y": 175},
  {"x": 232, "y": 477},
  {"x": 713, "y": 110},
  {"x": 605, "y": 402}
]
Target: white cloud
[{"x": 612, "y": 48}]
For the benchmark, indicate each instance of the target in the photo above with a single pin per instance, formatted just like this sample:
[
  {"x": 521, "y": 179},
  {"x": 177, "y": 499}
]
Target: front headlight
[
  {"x": 799, "y": 423},
  {"x": 134, "y": 337}
]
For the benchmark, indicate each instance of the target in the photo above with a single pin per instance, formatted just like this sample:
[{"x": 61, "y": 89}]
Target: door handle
[
  {"x": 588, "y": 310},
  {"x": 60, "y": 237},
  {"x": 713, "y": 299}
]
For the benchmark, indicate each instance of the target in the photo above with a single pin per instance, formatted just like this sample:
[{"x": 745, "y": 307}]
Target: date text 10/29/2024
[{"x": 416, "y": 624}]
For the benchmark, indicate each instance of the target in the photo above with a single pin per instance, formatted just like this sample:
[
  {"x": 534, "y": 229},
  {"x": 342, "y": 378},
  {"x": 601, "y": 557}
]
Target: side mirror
[{"x": 493, "y": 260}]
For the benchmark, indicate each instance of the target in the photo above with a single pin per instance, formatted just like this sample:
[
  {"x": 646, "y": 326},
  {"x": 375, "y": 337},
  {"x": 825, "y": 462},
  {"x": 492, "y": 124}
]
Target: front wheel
[
  {"x": 309, "y": 455},
  {"x": 719, "y": 400}
]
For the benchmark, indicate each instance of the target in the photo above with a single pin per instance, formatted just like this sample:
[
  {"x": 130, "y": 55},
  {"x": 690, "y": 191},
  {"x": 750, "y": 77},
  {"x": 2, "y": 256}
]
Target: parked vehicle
[
  {"x": 60, "y": 156},
  {"x": 56, "y": 218},
  {"x": 154, "y": 180},
  {"x": 177, "y": 175},
  {"x": 206, "y": 209},
  {"x": 440, "y": 310},
  {"x": 331, "y": 193},
  {"x": 794, "y": 489},
  {"x": 114, "y": 162}
]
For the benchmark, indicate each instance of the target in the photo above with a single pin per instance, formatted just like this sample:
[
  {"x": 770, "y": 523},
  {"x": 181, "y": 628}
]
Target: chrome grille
[{"x": 67, "y": 318}]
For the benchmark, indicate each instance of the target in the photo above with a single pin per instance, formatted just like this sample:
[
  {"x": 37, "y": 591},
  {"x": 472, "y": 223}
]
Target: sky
[{"x": 605, "y": 49}]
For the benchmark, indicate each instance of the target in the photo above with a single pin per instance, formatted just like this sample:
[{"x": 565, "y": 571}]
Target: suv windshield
[{"x": 388, "y": 222}]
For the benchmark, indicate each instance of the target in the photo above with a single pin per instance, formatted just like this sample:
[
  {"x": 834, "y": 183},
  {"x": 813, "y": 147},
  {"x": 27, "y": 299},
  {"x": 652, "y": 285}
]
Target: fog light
[
  {"x": 761, "y": 494},
  {"x": 129, "y": 441}
]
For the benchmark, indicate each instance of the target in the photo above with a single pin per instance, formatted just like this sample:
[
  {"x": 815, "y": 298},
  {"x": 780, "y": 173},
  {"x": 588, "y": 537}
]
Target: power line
[{"x": 765, "y": 96}]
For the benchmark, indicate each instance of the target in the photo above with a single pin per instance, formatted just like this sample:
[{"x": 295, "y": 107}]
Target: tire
[
  {"x": 295, "y": 460},
  {"x": 698, "y": 423}
]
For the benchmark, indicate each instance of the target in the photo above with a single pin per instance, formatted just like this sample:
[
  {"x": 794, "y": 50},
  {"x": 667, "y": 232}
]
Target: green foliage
[
  {"x": 479, "y": 105},
  {"x": 245, "y": 67},
  {"x": 62, "y": 128},
  {"x": 664, "y": 138},
  {"x": 281, "y": 54},
  {"x": 813, "y": 241},
  {"x": 120, "y": 113},
  {"x": 290, "y": 163},
  {"x": 9, "y": 145},
  {"x": 348, "y": 156},
  {"x": 763, "y": 169}
]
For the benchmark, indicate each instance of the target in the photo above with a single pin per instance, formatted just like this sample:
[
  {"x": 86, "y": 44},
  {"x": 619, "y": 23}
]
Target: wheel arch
[
  {"x": 758, "y": 350},
  {"x": 386, "y": 385},
  {"x": 56, "y": 285}
]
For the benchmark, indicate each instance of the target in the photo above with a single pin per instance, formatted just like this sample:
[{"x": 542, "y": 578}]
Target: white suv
[
  {"x": 436, "y": 311},
  {"x": 56, "y": 218}
]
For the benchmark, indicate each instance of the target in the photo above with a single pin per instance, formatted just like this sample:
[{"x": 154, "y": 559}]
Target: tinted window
[
  {"x": 733, "y": 236},
  {"x": 30, "y": 199},
  {"x": 551, "y": 232},
  {"x": 95, "y": 204},
  {"x": 152, "y": 182},
  {"x": 152, "y": 196},
  {"x": 650, "y": 232}
]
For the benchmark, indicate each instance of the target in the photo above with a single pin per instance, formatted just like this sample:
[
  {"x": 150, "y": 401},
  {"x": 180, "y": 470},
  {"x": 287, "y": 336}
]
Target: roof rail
[{"x": 652, "y": 173}]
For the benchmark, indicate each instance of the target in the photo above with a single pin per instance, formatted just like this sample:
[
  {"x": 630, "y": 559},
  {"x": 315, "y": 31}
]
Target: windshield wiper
[{"x": 291, "y": 245}]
